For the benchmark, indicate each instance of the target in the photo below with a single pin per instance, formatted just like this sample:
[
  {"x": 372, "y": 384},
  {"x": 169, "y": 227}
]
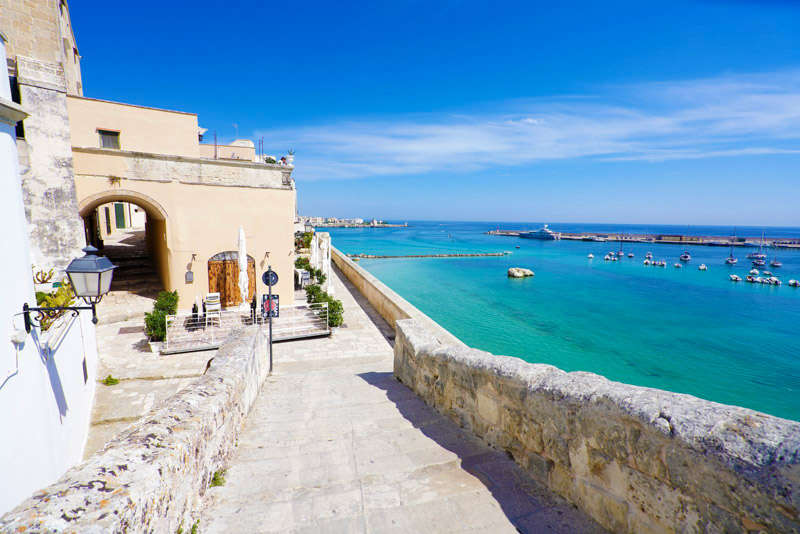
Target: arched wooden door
[{"x": 223, "y": 277}]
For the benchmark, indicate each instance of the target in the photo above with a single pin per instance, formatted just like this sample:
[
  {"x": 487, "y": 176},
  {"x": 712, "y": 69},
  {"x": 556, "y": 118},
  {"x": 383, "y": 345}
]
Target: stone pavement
[
  {"x": 335, "y": 444},
  {"x": 146, "y": 378}
]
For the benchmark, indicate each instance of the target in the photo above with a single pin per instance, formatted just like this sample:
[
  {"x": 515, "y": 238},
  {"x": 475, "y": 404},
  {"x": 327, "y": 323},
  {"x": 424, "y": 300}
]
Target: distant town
[{"x": 333, "y": 222}]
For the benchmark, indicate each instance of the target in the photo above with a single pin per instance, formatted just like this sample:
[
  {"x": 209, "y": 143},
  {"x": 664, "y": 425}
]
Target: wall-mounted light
[{"x": 90, "y": 277}]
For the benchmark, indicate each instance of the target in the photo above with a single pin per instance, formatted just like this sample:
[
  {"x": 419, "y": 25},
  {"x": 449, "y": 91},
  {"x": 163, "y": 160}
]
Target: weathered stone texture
[
  {"x": 635, "y": 459},
  {"x": 152, "y": 477},
  {"x": 48, "y": 185},
  {"x": 166, "y": 168}
]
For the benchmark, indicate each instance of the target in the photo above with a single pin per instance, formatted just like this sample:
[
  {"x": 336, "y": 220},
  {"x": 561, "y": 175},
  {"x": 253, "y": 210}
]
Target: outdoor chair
[{"x": 213, "y": 308}]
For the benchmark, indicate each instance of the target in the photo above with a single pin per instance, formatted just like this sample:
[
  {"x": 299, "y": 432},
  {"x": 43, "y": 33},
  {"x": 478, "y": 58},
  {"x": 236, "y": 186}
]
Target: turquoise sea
[{"x": 682, "y": 330}]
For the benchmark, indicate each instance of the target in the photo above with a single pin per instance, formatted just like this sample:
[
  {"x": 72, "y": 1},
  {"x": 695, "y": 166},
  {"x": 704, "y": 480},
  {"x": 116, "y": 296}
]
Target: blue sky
[{"x": 636, "y": 112}]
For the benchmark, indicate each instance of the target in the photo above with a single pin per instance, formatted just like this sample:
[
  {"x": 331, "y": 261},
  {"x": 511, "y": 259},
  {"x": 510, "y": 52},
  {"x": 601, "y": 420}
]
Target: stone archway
[{"x": 141, "y": 254}]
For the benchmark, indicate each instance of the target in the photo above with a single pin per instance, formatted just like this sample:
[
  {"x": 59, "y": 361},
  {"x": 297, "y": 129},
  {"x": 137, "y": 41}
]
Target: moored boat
[
  {"x": 794, "y": 283},
  {"x": 703, "y": 267},
  {"x": 591, "y": 256},
  {"x": 686, "y": 256},
  {"x": 736, "y": 278},
  {"x": 543, "y": 234}
]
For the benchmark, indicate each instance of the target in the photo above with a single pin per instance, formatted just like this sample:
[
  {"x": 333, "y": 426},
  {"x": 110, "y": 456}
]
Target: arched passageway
[{"x": 131, "y": 230}]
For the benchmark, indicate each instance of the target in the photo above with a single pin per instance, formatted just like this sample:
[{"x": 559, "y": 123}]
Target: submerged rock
[{"x": 519, "y": 272}]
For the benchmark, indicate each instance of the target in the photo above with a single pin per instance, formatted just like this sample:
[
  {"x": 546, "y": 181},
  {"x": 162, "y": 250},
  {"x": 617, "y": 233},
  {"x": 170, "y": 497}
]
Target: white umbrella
[{"x": 243, "y": 280}]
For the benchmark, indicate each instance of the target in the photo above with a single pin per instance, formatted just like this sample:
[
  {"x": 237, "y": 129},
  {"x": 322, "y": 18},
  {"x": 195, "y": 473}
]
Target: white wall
[{"x": 44, "y": 403}]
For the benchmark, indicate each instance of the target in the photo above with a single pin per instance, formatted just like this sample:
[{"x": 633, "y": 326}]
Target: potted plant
[{"x": 290, "y": 157}]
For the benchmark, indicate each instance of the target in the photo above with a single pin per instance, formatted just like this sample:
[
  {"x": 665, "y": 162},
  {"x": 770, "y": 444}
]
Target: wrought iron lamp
[{"x": 90, "y": 277}]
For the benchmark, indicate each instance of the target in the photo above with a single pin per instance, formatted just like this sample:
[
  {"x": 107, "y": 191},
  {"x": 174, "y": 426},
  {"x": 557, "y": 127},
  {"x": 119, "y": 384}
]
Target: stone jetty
[{"x": 381, "y": 257}]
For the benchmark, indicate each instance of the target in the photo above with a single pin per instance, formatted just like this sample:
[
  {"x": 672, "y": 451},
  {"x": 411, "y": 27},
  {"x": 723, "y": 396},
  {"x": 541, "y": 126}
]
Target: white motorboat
[
  {"x": 607, "y": 257},
  {"x": 662, "y": 263},
  {"x": 767, "y": 273},
  {"x": 703, "y": 267},
  {"x": 736, "y": 278},
  {"x": 794, "y": 283},
  {"x": 630, "y": 254},
  {"x": 759, "y": 263},
  {"x": 774, "y": 280},
  {"x": 677, "y": 265},
  {"x": 649, "y": 255},
  {"x": 754, "y": 271},
  {"x": 591, "y": 256},
  {"x": 647, "y": 262}
]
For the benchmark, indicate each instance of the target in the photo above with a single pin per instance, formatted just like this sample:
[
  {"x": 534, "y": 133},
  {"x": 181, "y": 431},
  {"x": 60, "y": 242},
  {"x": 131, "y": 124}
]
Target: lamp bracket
[{"x": 52, "y": 313}]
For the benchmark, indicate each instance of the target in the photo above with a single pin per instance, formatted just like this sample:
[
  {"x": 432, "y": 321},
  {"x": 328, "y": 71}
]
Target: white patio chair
[{"x": 213, "y": 308}]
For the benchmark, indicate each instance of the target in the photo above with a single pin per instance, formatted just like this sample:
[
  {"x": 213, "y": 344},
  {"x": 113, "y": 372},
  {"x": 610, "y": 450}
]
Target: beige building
[
  {"x": 88, "y": 165},
  {"x": 194, "y": 205}
]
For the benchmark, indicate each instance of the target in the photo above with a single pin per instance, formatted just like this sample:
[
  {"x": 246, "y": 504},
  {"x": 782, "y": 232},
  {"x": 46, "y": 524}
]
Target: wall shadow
[{"x": 528, "y": 505}]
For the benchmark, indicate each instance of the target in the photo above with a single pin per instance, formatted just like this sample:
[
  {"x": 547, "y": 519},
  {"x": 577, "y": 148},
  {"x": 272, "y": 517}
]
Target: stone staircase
[{"x": 136, "y": 283}]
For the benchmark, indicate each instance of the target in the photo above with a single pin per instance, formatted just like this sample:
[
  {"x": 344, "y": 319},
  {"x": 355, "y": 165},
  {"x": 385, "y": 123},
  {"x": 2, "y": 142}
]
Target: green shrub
[
  {"x": 155, "y": 322},
  {"x": 155, "y": 325},
  {"x": 167, "y": 302},
  {"x": 335, "y": 312},
  {"x": 302, "y": 263},
  {"x": 313, "y": 293},
  {"x": 41, "y": 296}
]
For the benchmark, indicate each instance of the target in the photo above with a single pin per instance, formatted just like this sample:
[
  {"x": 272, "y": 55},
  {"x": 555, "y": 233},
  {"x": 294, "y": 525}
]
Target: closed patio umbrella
[{"x": 244, "y": 282}]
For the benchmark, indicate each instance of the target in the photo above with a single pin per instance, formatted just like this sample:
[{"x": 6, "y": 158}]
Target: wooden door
[{"x": 223, "y": 277}]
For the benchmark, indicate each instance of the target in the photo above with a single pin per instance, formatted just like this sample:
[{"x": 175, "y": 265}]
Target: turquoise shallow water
[{"x": 681, "y": 330}]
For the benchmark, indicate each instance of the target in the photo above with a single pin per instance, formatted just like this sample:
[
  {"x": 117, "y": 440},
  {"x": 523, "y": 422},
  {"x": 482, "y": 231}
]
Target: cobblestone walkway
[
  {"x": 335, "y": 444},
  {"x": 146, "y": 378}
]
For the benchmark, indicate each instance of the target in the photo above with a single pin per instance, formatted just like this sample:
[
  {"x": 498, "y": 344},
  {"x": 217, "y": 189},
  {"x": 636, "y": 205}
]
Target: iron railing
[{"x": 187, "y": 331}]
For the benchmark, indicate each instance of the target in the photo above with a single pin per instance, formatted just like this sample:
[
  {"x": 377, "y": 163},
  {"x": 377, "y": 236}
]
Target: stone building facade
[{"x": 44, "y": 67}]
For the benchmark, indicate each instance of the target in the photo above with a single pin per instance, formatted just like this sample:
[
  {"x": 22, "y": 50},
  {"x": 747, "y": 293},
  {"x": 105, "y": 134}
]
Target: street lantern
[
  {"x": 90, "y": 278},
  {"x": 309, "y": 227}
]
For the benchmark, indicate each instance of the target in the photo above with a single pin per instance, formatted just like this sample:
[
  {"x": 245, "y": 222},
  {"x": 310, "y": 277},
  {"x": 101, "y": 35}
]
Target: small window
[{"x": 109, "y": 139}]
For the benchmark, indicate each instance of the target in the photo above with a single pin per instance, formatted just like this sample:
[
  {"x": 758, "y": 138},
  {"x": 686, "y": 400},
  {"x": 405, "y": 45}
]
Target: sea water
[{"x": 681, "y": 330}]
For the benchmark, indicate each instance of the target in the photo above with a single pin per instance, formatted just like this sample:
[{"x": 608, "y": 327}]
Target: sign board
[
  {"x": 270, "y": 278},
  {"x": 270, "y": 307}
]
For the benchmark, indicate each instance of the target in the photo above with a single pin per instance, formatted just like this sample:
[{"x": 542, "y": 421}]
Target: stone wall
[
  {"x": 103, "y": 162},
  {"x": 391, "y": 306},
  {"x": 51, "y": 207},
  {"x": 635, "y": 459},
  {"x": 152, "y": 477}
]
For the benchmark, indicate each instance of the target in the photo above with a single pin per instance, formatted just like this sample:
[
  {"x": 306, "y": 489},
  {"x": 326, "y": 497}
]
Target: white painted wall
[{"x": 45, "y": 404}]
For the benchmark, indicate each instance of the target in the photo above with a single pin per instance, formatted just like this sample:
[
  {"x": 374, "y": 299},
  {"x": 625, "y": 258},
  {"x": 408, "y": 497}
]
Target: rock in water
[{"x": 519, "y": 272}]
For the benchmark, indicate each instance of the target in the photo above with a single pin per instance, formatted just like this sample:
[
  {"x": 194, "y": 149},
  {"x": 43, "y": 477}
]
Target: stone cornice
[
  {"x": 285, "y": 169},
  {"x": 11, "y": 112}
]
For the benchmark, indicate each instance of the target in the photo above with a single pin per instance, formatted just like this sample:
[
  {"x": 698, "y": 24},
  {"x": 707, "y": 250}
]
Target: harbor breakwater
[
  {"x": 635, "y": 459},
  {"x": 453, "y": 255}
]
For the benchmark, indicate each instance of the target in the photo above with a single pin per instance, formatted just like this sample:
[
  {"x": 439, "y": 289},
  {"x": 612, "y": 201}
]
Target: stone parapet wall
[
  {"x": 635, "y": 459},
  {"x": 152, "y": 477},
  {"x": 105, "y": 162},
  {"x": 391, "y": 306}
]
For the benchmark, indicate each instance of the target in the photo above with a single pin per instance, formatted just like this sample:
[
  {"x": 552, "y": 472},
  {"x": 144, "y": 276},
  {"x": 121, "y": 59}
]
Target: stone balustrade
[
  {"x": 635, "y": 459},
  {"x": 152, "y": 477},
  {"x": 144, "y": 166}
]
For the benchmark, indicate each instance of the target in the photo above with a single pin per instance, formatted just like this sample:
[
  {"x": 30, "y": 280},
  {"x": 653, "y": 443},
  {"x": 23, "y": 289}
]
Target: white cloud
[{"x": 722, "y": 117}]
